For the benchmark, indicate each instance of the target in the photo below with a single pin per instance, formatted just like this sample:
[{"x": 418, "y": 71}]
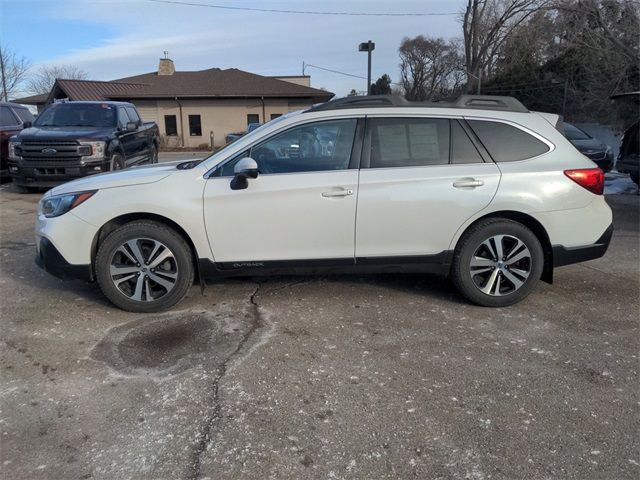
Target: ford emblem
[{"x": 49, "y": 151}]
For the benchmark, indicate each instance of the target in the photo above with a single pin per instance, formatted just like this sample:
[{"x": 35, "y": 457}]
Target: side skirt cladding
[{"x": 433, "y": 264}]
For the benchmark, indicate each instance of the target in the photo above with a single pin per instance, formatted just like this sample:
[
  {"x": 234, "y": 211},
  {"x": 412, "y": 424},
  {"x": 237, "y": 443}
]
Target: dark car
[
  {"x": 590, "y": 147},
  {"x": 74, "y": 139},
  {"x": 232, "y": 137},
  {"x": 629, "y": 157},
  {"x": 13, "y": 118}
]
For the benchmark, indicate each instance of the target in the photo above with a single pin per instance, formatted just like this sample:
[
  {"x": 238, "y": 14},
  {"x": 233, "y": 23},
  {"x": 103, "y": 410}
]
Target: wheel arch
[
  {"x": 120, "y": 220},
  {"x": 530, "y": 222}
]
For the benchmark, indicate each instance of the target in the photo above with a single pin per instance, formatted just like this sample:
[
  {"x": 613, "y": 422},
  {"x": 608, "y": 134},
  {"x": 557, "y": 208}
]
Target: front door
[
  {"x": 302, "y": 205},
  {"x": 424, "y": 179}
]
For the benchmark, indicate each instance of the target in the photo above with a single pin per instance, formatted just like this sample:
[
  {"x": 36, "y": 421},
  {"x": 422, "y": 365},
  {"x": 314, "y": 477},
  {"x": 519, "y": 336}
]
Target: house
[{"x": 195, "y": 108}]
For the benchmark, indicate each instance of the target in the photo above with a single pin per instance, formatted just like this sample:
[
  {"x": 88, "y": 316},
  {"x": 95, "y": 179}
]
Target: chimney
[{"x": 166, "y": 66}]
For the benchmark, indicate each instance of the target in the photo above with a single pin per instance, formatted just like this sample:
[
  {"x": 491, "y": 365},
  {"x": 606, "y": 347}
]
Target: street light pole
[{"x": 368, "y": 47}]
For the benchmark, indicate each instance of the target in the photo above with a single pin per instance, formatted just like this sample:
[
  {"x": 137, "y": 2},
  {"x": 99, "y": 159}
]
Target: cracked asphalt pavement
[{"x": 341, "y": 377}]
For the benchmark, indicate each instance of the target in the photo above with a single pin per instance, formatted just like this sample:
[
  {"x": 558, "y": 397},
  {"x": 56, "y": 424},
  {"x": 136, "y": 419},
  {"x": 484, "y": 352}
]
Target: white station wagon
[{"x": 478, "y": 189}]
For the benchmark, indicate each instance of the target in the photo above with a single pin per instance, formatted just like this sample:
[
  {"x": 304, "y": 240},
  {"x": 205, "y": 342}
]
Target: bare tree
[
  {"x": 45, "y": 76},
  {"x": 486, "y": 25},
  {"x": 13, "y": 70},
  {"x": 428, "y": 67}
]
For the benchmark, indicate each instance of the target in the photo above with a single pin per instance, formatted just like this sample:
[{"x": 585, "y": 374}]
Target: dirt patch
[{"x": 169, "y": 343}]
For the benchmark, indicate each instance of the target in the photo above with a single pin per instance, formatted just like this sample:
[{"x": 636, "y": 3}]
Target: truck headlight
[
  {"x": 92, "y": 150},
  {"x": 12, "y": 151},
  {"x": 60, "y": 204}
]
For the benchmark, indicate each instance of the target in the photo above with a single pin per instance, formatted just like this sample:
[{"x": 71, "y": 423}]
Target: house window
[
  {"x": 170, "y": 125},
  {"x": 195, "y": 127},
  {"x": 253, "y": 118},
  {"x": 275, "y": 115}
]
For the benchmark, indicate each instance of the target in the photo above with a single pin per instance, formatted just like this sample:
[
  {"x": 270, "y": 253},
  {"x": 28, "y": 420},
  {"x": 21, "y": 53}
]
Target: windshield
[
  {"x": 574, "y": 133},
  {"x": 78, "y": 115}
]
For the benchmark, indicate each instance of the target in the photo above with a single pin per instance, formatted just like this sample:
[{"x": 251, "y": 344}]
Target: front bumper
[
  {"x": 568, "y": 255},
  {"x": 51, "y": 260},
  {"x": 51, "y": 175}
]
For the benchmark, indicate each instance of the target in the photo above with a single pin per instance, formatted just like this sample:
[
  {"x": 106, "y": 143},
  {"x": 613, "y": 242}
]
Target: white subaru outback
[{"x": 478, "y": 189}]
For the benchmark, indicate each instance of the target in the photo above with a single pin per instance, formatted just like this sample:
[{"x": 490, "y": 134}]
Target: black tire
[
  {"x": 154, "y": 231},
  {"x": 116, "y": 162},
  {"x": 634, "y": 177},
  {"x": 153, "y": 154},
  {"x": 471, "y": 243}
]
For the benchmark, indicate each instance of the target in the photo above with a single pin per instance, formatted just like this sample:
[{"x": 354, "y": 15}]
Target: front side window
[
  {"x": 313, "y": 147},
  {"x": 506, "y": 143},
  {"x": 6, "y": 118},
  {"x": 195, "y": 127},
  {"x": 170, "y": 125},
  {"x": 24, "y": 114},
  {"x": 123, "y": 118},
  {"x": 409, "y": 142}
]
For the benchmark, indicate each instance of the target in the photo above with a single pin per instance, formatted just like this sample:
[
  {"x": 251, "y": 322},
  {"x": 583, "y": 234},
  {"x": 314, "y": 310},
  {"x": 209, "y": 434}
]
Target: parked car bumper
[
  {"x": 51, "y": 260},
  {"x": 568, "y": 255},
  {"x": 52, "y": 175}
]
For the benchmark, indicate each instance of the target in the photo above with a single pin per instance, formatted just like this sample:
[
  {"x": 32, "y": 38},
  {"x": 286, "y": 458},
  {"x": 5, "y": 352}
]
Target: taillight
[{"x": 590, "y": 178}]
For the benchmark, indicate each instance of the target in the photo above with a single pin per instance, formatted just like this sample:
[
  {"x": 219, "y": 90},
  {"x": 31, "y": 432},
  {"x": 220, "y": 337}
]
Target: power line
[
  {"x": 342, "y": 73},
  {"x": 305, "y": 12}
]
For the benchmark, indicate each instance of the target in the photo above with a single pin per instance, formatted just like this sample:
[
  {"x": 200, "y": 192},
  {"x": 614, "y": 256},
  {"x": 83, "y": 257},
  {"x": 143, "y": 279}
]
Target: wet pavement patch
[{"x": 169, "y": 343}]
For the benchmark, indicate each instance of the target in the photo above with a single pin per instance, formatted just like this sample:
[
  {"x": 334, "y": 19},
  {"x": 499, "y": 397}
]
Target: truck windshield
[{"x": 77, "y": 115}]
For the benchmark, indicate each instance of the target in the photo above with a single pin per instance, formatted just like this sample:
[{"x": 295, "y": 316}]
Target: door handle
[
  {"x": 337, "y": 193},
  {"x": 468, "y": 183}
]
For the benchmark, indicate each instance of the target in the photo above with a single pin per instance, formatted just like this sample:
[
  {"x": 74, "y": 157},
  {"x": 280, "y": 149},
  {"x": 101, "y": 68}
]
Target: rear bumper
[
  {"x": 51, "y": 260},
  {"x": 567, "y": 255}
]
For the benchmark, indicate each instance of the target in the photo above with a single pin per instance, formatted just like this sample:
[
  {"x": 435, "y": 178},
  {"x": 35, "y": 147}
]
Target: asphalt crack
[{"x": 210, "y": 421}]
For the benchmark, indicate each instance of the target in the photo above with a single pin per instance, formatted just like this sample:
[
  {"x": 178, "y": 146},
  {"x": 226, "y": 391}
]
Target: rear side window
[
  {"x": 506, "y": 143},
  {"x": 6, "y": 118},
  {"x": 462, "y": 148},
  {"x": 133, "y": 115},
  {"x": 409, "y": 142}
]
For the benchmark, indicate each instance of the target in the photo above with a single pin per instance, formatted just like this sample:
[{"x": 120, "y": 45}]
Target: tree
[
  {"x": 486, "y": 25},
  {"x": 43, "y": 79},
  {"x": 429, "y": 67},
  {"x": 13, "y": 71},
  {"x": 382, "y": 86}
]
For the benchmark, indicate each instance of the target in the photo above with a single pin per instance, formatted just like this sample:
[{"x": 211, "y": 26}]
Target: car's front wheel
[
  {"x": 497, "y": 263},
  {"x": 144, "y": 266}
]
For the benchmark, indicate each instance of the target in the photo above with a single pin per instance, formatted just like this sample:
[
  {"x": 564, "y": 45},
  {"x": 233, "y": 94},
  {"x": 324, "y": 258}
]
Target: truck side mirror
[
  {"x": 132, "y": 126},
  {"x": 246, "y": 168},
  {"x": 27, "y": 124}
]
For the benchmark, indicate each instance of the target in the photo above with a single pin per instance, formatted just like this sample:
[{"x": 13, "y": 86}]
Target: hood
[
  {"x": 65, "y": 133},
  {"x": 121, "y": 178},
  {"x": 589, "y": 144}
]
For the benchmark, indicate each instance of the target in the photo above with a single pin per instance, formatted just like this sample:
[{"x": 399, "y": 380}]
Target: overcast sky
[{"x": 117, "y": 38}]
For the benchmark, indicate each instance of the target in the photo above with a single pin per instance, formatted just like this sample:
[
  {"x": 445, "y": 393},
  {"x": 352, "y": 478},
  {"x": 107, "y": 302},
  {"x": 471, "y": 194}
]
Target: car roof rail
[{"x": 477, "y": 102}]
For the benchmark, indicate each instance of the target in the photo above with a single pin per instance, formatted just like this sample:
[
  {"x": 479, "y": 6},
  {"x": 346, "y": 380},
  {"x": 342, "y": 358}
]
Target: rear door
[{"x": 422, "y": 178}]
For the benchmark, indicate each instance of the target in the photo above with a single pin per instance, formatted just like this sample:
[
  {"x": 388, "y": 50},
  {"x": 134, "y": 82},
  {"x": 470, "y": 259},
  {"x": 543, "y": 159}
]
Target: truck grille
[{"x": 48, "y": 151}]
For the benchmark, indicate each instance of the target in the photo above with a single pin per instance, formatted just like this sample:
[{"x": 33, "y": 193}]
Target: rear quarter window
[{"x": 506, "y": 143}]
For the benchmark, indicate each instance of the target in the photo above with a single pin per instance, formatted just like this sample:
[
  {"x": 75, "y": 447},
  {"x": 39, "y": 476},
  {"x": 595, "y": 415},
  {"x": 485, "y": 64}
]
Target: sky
[{"x": 117, "y": 38}]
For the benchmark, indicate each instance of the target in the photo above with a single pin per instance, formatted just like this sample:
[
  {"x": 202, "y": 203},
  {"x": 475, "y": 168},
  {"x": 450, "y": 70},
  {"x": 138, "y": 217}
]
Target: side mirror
[
  {"x": 132, "y": 126},
  {"x": 27, "y": 124},
  {"x": 246, "y": 168}
]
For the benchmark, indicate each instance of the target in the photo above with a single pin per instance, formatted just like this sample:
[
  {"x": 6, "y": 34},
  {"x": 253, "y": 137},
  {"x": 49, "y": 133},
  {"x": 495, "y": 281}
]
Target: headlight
[
  {"x": 12, "y": 150},
  {"x": 59, "y": 204},
  {"x": 92, "y": 150}
]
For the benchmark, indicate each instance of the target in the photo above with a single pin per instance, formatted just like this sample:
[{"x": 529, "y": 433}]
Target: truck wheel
[
  {"x": 635, "y": 178},
  {"x": 153, "y": 154},
  {"x": 144, "y": 266},
  {"x": 116, "y": 162},
  {"x": 497, "y": 263}
]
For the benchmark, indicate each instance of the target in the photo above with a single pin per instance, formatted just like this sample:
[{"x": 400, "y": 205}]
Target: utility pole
[
  {"x": 368, "y": 47},
  {"x": 4, "y": 78}
]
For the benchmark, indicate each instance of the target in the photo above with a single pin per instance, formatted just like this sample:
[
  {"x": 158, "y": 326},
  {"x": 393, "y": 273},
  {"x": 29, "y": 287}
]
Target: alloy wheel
[
  {"x": 500, "y": 265},
  {"x": 143, "y": 269}
]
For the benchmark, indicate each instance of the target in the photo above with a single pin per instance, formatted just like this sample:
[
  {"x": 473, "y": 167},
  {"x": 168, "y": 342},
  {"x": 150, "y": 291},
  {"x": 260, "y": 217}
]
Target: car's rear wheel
[
  {"x": 144, "y": 266},
  {"x": 497, "y": 263}
]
